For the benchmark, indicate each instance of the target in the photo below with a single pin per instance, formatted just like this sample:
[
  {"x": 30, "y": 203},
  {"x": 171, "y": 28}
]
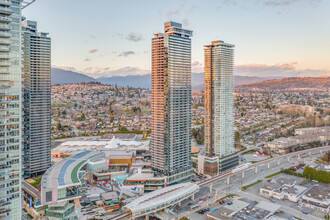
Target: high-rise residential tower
[
  {"x": 219, "y": 108},
  {"x": 10, "y": 109},
  {"x": 171, "y": 103},
  {"x": 36, "y": 100}
]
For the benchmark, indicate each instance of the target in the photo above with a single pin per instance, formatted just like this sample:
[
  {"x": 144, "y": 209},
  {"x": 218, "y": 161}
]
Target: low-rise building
[
  {"x": 61, "y": 211},
  {"x": 147, "y": 178},
  {"x": 282, "y": 188},
  {"x": 110, "y": 201},
  {"x": 317, "y": 198}
]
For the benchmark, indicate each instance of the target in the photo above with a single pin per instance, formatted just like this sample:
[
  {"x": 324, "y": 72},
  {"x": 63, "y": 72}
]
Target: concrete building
[
  {"x": 146, "y": 178},
  {"x": 10, "y": 109},
  {"x": 61, "y": 211},
  {"x": 110, "y": 201},
  {"x": 66, "y": 179},
  {"x": 161, "y": 199},
  {"x": 36, "y": 100},
  {"x": 171, "y": 103},
  {"x": 283, "y": 188},
  {"x": 219, "y": 108},
  {"x": 317, "y": 198}
]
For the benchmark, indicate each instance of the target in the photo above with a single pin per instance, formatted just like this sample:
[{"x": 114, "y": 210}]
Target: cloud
[
  {"x": 185, "y": 22},
  {"x": 93, "y": 50},
  {"x": 128, "y": 70},
  {"x": 120, "y": 35},
  {"x": 93, "y": 37},
  {"x": 269, "y": 3},
  {"x": 284, "y": 70},
  {"x": 176, "y": 11},
  {"x": 67, "y": 68},
  {"x": 193, "y": 7},
  {"x": 108, "y": 71},
  {"x": 229, "y": 2},
  {"x": 263, "y": 70},
  {"x": 288, "y": 2},
  {"x": 197, "y": 67},
  {"x": 126, "y": 53},
  {"x": 134, "y": 37}
]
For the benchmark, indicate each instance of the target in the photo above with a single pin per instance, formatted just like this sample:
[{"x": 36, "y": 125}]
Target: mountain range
[{"x": 60, "y": 76}]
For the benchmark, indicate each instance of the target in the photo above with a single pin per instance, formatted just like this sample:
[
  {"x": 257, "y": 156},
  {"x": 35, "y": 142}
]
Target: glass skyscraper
[
  {"x": 219, "y": 109},
  {"x": 219, "y": 99},
  {"x": 10, "y": 109},
  {"x": 171, "y": 103},
  {"x": 36, "y": 100}
]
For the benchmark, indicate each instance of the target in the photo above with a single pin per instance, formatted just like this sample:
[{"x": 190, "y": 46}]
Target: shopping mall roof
[
  {"x": 161, "y": 198},
  {"x": 65, "y": 172}
]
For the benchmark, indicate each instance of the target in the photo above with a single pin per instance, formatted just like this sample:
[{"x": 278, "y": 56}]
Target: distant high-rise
[
  {"x": 36, "y": 99},
  {"x": 171, "y": 103},
  {"x": 219, "y": 108},
  {"x": 10, "y": 109}
]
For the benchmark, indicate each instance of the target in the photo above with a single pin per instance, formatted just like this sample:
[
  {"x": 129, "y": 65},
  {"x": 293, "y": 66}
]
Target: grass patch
[
  {"x": 230, "y": 195},
  {"x": 290, "y": 172},
  {"x": 247, "y": 186},
  {"x": 305, "y": 181},
  {"x": 37, "y": 181},
  {"x": 274, "y": 174}
]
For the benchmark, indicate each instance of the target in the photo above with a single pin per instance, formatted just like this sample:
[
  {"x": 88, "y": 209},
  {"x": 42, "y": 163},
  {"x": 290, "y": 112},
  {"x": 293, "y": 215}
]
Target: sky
[{"x": 104, "y": 38}]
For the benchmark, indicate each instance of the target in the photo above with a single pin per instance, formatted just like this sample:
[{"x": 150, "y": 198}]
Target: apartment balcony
[
  {"x": 4, "y": 87},
  {"x": 6, "y": 11},
  {"x": 4, "y": 70},
  {"x": 4, "y": 42},
  {"x": 5, "y": 2},
  {"x": 4, "y": 49},
  {"x": 4, "y": 64},
  {"x": 5, "y": 34},
  {"x": 4, "y": 27},
  {"x": 4, "y": 56},
  {"x": 5, "y": 19}
]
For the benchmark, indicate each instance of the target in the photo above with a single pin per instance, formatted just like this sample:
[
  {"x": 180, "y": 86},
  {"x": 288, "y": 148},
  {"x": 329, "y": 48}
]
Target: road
[
  {"x": 236, "y": 181},
  {"x": 282, "y": 159}
]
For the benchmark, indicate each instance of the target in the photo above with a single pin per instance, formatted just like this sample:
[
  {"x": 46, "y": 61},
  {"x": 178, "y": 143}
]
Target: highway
[{"x": 261, "y": 163}]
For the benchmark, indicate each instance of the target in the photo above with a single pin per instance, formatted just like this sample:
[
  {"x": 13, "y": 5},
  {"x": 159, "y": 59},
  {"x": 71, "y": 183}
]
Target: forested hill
[{"x": 292, "y": 83}]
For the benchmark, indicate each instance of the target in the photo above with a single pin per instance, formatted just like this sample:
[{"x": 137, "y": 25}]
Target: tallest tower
[{"x": 171, "y": 103}]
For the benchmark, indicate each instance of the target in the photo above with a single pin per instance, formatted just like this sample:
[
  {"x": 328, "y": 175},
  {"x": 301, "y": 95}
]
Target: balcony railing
[
  {"x": 5, "y": 10},
  {"x": 4, "y": 27},
  {"x": 5, "y": 41},
  {"x": 5, "y": 34},
  {"x": 4, "y": 2},
  {"x": 4, "y": 56},
  {"x": 4, "y": 64},
  {"x": 5, "y": 19}
]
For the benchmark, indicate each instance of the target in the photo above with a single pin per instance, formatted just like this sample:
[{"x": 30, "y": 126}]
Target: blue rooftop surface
[
  {"x": 62, "y": 172},
  {"x": 80, "y": 155}
]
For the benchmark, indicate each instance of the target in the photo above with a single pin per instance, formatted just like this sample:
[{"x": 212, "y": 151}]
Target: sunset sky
[{"x": 112, "y": 37}]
